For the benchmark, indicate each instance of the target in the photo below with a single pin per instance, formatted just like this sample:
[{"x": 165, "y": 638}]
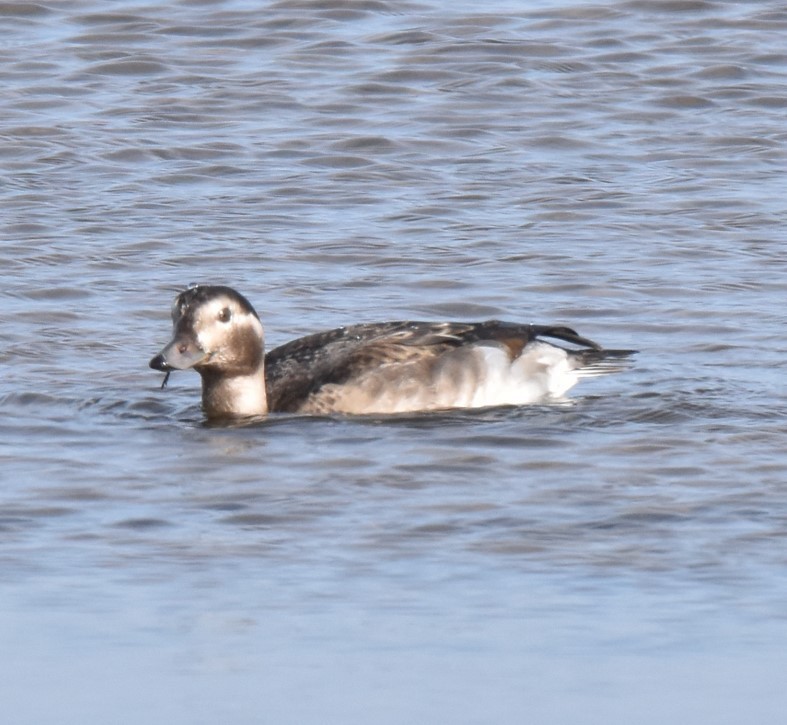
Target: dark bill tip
[{"x": 159, "y": 363}]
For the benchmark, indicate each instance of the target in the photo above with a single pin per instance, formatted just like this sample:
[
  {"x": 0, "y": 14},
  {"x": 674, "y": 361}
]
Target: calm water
[{"x": 619, "y": 167}]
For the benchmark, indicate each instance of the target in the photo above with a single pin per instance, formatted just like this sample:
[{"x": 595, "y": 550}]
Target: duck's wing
[{"x": 297, "y": 371}]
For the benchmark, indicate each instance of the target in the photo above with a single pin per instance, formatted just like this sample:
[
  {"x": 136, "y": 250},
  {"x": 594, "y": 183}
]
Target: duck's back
[{"x": 407, "y": 366}]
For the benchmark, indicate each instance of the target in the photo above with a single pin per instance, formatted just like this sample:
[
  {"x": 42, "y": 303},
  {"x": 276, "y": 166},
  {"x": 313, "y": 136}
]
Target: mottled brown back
[{"x": 300, "y": 368}]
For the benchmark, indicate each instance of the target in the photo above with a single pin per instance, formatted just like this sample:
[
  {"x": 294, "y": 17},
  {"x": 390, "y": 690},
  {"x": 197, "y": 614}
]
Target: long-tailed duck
[{"x": 387, "y": 367}]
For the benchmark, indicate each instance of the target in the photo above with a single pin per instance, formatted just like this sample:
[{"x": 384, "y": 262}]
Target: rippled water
[{"x": 619, "y": 167}]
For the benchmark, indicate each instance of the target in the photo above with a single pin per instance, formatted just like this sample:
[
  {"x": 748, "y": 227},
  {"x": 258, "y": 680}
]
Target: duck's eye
[{"x": 225, "y": 315}]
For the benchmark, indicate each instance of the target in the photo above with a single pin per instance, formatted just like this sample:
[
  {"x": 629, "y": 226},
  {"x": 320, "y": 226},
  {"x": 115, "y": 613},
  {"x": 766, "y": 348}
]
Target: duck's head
[{"x": 216, "y": 332}]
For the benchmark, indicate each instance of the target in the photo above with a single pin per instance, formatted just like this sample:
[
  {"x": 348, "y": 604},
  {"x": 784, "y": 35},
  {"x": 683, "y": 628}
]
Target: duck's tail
[{"x": 591, "y": 363}]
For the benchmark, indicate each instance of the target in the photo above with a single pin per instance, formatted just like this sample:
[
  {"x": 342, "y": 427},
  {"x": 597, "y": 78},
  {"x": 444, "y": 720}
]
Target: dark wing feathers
[{"x": 299, "y": 368}]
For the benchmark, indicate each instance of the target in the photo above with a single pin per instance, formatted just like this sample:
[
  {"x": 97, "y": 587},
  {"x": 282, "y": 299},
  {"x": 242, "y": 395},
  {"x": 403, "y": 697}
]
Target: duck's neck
[{"x": 228, "y": 396}]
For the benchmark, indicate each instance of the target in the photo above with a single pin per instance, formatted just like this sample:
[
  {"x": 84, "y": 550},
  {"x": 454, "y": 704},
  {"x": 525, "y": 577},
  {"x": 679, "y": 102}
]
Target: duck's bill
[{"x": 178, "y": 355}]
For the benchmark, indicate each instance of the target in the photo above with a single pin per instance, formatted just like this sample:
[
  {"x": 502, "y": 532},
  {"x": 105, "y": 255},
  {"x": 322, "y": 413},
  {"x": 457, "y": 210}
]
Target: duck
[{"x": 374, "y": 368}]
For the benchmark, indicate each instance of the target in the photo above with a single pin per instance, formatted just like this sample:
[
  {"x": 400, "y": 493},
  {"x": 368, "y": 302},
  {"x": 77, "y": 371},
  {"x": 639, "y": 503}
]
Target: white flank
[{"x": 541, "y": 372}]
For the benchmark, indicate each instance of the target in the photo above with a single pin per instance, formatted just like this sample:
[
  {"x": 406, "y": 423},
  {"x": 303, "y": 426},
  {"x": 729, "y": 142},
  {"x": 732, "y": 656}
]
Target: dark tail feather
[{"x": 564, "y": 333}]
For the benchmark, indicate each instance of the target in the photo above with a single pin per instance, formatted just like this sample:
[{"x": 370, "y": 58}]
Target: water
[{"x": 618, "y": 167}]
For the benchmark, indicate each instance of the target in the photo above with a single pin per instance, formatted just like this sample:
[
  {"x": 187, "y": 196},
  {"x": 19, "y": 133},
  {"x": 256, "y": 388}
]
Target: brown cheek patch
[{"x": 246, "y": 347}]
